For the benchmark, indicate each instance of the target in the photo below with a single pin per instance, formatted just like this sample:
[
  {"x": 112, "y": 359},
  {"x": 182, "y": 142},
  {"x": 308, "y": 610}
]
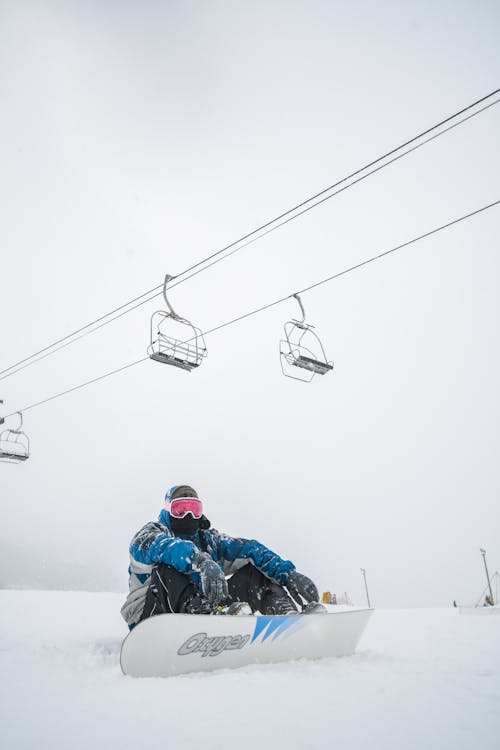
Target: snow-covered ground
[{"x": 420, "y": 679}]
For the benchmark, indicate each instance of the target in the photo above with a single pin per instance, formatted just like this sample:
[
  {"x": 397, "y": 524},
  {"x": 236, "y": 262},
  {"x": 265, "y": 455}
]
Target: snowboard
[{"x": 172, "y": 644}]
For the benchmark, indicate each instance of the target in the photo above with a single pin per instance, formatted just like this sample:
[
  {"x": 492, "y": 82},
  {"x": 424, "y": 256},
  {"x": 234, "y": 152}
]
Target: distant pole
[
  {"x": 366, "y": 588},
  {"x": 483, "y": 552}
]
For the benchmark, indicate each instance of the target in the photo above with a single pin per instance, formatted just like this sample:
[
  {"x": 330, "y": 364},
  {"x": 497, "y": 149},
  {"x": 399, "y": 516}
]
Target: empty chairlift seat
[
  {"x": 174, "y": 340},
  {"x": 302, "y": 350},
  {"x": 14, "y": 444}
]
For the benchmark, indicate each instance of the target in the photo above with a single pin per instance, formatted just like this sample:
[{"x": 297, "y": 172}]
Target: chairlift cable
[
  {"x": 77, "y": 338},
  {"x": 337, "y": 192},
  {"x": 74, "y": 334},
  {"x": 403, "y": 245},
  {"x": 235, "y": 246},
  {"x": 77, "y": 387},
  {"x": 354, "y": 174},
  {"x": 271, "y": 304},
  {"x": 352, "y": 268}
]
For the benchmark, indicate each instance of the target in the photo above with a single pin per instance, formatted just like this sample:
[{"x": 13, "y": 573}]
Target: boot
[
  {"x": 276, "y": 602},
  {"x": 196, "y": 604},
  {"x": 315, "y": 608}
]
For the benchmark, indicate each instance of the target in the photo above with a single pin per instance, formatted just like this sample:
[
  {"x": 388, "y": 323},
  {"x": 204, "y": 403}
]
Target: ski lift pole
[
  {"x": 483, "y": 552},
  {"x": 481, "y": 597},
  {"x": 366, "y": 587}
]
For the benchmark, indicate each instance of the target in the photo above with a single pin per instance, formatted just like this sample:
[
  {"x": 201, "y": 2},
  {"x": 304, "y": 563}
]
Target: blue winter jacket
[{"x": 156, "y": 542}]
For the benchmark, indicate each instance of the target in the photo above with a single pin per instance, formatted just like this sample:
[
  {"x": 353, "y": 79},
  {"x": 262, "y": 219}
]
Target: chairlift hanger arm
[
  {"x": 301, "y": 323},
  {"x": 297, "y": 297},
  {"x": 171, "y": 312},
  {"x": 168, "y": 278}
]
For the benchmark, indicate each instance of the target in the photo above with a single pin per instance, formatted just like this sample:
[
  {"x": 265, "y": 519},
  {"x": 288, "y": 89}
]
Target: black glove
[
  {"x": 213, "y": 580},
  {"x": 300, "y": 586}
]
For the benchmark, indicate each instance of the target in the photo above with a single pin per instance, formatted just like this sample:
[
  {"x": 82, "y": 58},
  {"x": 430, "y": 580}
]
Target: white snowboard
[{"x": 167, "y": 645}]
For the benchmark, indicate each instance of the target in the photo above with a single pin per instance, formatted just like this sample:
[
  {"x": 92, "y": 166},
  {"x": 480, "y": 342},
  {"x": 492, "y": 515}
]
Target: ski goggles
[{"x": 181, "y": 506}]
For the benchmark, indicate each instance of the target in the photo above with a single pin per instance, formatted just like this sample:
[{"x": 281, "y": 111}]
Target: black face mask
[{"x": 187, "y": 526}]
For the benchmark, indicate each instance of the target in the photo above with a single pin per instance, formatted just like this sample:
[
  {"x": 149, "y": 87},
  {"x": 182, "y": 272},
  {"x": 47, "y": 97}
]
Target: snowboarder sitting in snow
[{"x": 179, "y": 564}]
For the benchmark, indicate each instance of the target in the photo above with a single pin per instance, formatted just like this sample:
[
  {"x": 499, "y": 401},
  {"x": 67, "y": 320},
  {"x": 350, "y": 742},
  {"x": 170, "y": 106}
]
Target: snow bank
[{"x": 420, "y": 679}]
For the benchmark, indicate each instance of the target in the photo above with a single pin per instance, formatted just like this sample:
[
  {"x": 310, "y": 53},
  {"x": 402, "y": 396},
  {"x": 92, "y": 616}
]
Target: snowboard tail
[{"x": 171, "y": 644}]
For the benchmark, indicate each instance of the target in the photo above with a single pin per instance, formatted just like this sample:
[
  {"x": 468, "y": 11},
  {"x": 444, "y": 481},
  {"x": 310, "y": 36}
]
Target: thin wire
[
  {"x": 341, "y": 190},
  {"x": 77, "y": 338},
  {"x": 352, "y": 268},
  {"x": 74, "y": 333},
  {"x": 273, "y": 304},
  {"x": 6, "y": 373},
  {"x": 344, "y": 179},
  {"x": 400, "y": 247},
  {"x": 82, "y": 385}
]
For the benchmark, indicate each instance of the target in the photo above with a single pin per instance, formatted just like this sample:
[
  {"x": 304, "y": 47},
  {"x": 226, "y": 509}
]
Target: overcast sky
[{"x": 138, "y": 138}]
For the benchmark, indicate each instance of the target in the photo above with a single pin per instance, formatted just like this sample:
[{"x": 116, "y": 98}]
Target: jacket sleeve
[
  {"x": 151, "y": 545},
  {"x": 264, "y": 559}
]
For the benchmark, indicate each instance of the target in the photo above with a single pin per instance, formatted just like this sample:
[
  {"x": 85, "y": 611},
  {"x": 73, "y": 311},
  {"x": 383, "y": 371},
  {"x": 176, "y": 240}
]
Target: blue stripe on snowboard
[{"x": 273, "y": 624}]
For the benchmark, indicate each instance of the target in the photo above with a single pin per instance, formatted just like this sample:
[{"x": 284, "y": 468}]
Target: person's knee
[
  {"x": 167, "y": 574},
  {"x": 249, "y": 574},
  {"x": 163, "y": 568}
]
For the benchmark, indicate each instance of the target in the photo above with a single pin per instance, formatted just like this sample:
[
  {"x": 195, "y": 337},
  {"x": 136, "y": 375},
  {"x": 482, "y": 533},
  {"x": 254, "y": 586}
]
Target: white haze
[{"x": 136, "y": 139}]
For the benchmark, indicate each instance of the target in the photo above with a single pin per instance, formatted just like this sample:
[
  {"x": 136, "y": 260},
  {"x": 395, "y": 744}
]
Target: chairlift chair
[
  {"x": 14, "y": 444},
  {"x": 302, "y": 349},
  {"x": 174, "y": 340}
]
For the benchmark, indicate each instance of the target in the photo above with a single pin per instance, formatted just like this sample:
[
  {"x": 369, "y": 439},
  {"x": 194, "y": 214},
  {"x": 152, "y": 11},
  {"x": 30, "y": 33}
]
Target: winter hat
[{"x": 180, "y": 490}]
